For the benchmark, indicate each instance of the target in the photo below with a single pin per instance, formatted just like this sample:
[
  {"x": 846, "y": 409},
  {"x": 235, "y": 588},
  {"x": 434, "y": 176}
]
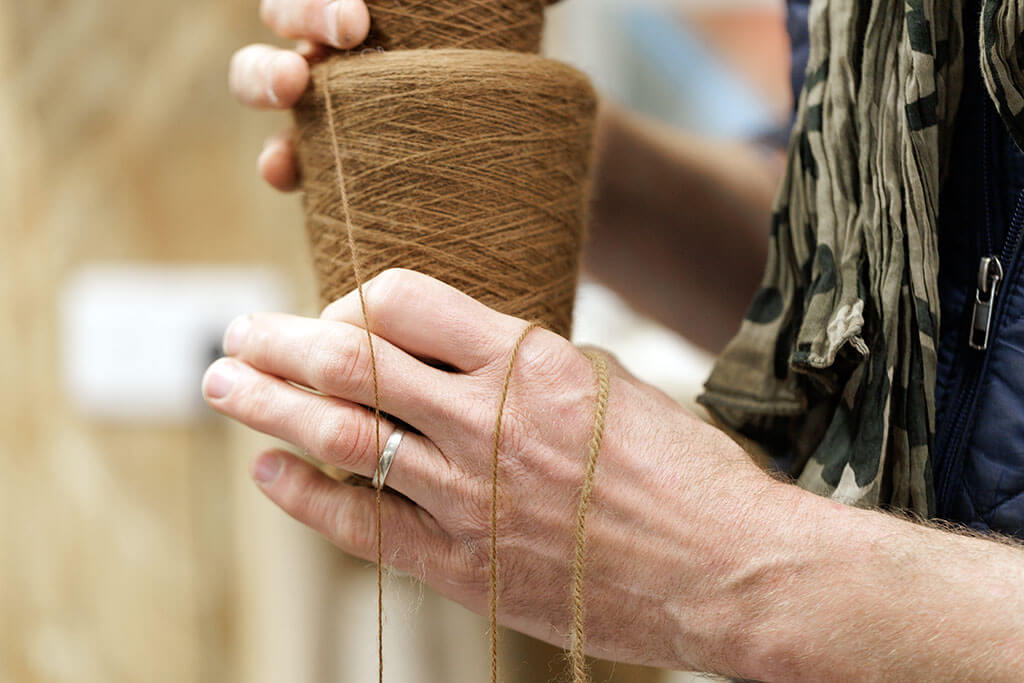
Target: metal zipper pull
[{"x": 990, "y": 274}]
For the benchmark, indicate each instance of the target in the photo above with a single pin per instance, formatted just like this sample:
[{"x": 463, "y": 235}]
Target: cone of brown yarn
[
  {"x": 467, "y": 165},
  {"x": 470, "y": 24}
]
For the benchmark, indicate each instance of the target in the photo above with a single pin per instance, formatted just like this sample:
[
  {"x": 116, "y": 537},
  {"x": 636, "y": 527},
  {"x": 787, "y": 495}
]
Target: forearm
[
  {"x": 679, "y": 224},
  {"x": 847, "y": 594}
]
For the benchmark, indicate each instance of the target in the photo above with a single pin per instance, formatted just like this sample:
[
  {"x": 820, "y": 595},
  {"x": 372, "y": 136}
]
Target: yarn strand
[
  {"x": 496, "y": 442},
  {"x": 577, "y": 659},
  {"x": 343, "y": 195}
]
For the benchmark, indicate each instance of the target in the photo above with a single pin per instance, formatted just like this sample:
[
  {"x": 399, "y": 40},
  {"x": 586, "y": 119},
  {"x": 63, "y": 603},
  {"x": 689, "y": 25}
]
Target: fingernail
[
  {"x": 260, "y": 160},
  {"x": 332, "y": 22},
  {"x": 266, "y": 468},
  {"x": 273, "y": 70},
  {"x": 220, "y": 379},
  {"x": 236, "y": 333}
]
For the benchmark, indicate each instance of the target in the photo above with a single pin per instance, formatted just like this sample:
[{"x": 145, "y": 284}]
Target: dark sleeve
[{"x": 796, "y": 24}]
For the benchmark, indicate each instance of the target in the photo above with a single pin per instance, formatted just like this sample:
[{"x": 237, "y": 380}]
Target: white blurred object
[
  {"x": 135, "y": 339},
  {"x": 650, "y": 351}
]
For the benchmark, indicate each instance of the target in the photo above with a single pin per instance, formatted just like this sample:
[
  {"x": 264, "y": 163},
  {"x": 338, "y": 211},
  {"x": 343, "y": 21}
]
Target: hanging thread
[
  {"x": 492, "y": 583},
  {"x": 343, "y": 196},
  {"x": 577, "y": 658}
]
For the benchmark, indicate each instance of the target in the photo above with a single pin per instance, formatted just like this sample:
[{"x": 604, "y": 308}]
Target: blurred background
[{"x": 132, "y": 545}]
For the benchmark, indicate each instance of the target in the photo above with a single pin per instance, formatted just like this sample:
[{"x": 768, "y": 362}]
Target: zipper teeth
[
  {"x": 974, "y": 361},
  {"x": 986, "y": 143},
  {"x": 968, "y": 384},
  {"x": 963, "y": 413},
  {"x": 1012, "y": 240}
]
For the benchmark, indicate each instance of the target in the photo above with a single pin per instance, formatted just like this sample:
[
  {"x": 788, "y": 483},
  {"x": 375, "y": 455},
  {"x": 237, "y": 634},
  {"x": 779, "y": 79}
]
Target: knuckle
[
  {"x": 470, "y": 530},
  {"x": 329, "y": 311},
  {"x": 345, "y": 441},
  {"x": 344, "y": 363},
  {"x": 300, "y": 499},
  {"x": 324, "y": 511},
  {"x": 339, "y": 517},
  {"x": 468, "y": 566},
  {"x": 518, "y": 430},
  {"x": 472, "y": 527},
  {"x": 394, "y": 286},
  {"x": 549, "y": 360},
  {"x": 332, "y": 441},
  {"x": 321, "y": 507},
  {"x": 257, "y": 402},
  {"x": 354, "y": 527}
]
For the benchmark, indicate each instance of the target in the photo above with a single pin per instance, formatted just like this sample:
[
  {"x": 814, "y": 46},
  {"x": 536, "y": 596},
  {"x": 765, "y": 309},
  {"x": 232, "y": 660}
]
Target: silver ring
[{"x": 387, "y": 457}]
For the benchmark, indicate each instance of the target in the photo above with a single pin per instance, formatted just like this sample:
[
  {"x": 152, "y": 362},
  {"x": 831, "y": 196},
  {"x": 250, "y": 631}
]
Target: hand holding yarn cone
[{"x": 467, "y": 165}]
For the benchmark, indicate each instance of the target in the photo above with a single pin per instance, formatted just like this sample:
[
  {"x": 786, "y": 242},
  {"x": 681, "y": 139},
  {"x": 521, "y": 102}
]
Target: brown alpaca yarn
[
  {"x": 467, "y": 165},
  {"x": 469, "y": 24}
]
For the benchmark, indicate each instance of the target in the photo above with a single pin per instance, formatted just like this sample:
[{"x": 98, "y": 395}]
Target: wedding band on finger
[{"x": 387, "y": 457}]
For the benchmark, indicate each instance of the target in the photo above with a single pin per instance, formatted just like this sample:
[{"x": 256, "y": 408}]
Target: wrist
[
  {"x": 832, "y": 592},
  {"x": 760, "y": 546},
  {"x": 789, "y": 560}
]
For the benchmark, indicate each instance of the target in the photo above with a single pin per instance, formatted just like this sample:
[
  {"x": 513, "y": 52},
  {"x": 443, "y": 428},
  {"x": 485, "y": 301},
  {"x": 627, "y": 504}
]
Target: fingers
[
  {"x": 334, "y": 358},
  {"x": 347, "y": 515},
  {"x": 429, "y": 319},
  {"x": 340, "y": 23},
  {"x": 277, "y": 162},
  {"x": 267, "y": 77},
  {"x": 332, "y": 430}
]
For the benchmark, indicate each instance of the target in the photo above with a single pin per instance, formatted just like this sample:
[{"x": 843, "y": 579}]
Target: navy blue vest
[{"x": 979, "y": 441}]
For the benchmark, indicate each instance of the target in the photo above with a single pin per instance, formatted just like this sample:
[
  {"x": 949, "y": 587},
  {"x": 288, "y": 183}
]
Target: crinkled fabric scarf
[{"x": 833, "y": 369}]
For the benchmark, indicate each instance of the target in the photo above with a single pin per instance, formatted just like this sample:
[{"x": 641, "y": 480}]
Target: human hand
[
  {"x": 267, "y": 77},
  {"x": 672, "y": 495}
]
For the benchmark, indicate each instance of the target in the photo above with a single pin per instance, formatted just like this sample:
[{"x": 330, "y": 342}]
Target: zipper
[
  {"x": 986, "y": 317},
  {"x": 990, "y": 268},
  {"x": 970, "y": 345},
  {"x": 990, "y": 274},
  {"x": 987, "y": 246}
]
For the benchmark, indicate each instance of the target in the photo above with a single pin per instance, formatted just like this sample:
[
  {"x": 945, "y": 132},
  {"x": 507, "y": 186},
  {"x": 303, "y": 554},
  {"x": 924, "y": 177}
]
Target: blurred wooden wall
[
  {"x": 125, "y": 549},
  {"x": 142, "y": 553}
]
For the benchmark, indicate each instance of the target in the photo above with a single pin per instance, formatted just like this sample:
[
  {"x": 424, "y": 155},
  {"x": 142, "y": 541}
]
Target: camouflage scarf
[{"x": 833, "y": 370}]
